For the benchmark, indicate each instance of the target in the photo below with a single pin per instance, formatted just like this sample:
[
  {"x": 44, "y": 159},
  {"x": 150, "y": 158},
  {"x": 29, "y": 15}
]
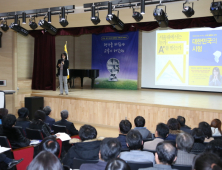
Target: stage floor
[{"x": 165, "y": 98}]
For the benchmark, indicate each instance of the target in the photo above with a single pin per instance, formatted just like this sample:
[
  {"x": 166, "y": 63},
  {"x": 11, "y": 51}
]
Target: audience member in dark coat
[
  {"x": 174, "y": 127},
  {"x": 215, "y": 146},
  {"x": 69, "y": 125},
  {"x": 124, "y": 128},
  {"x": 87, "y": 148},
  {"x": 16, "y": 139},
  {"x": 48, "y": 120},
  {"x": 183, "y": 127},
  {"x": 38, "y": 123},
  {"x": 199, "y": 138},
  {"x": 23, "y": 120},
  {"x": 206, "y": 128},
  {"x": 140, "y": 122},
  {"x": 3, "y": 112}
]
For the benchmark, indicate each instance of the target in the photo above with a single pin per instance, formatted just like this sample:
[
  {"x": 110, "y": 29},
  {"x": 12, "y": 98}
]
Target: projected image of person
[{"x": 215, "y": 78}]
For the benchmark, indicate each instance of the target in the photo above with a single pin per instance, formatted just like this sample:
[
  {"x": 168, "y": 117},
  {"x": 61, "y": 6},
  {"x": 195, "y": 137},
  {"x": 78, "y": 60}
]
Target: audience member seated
[
  {"x": 183, "y": 127},
  {"x": 198, "y": 146},
  {"x": 124, "y": 127},
  {"x": 109, "y": 149},
  {"x": 50, "y": 144},
  {"x": 140, "y": 123},
  {"x": 117, "y": 164},
  {"x": 174, "y": 127},
  {"x": 215, "y": 146},
  {"x": 48, "y": 120},
  {"x": 16, "y": 139},
  {"x": 69, "y": 125},
  {"x": 184, "y": 144},
  {"x": 162, "y": 131},
  {"x": 3, "y": 112},
  {"x": 23, "y": 119},
  {"x": 135, "y": 142},
  {"x": 87, "y": 148},
  {"x": 205, "y": 127},
  {"x": 206, "y": 161},
  {"x": 165, "y": 156},
  {"x": 216, "y": 127},
  {"x": 10, "y": 162},
  {"x": 45, "y": 160},
  {"x": 38, "y": 123}
]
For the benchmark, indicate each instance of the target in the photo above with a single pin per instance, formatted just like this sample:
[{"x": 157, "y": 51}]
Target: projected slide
[{"x": 188, "y": 58}]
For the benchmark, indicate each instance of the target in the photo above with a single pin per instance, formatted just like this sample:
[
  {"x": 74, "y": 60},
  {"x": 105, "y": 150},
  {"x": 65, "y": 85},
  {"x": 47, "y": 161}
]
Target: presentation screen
[{"x": 188, "y": 59}]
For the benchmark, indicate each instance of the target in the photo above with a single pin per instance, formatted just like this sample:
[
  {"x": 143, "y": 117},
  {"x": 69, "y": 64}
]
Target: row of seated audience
[{"x": 173, "y": 143}]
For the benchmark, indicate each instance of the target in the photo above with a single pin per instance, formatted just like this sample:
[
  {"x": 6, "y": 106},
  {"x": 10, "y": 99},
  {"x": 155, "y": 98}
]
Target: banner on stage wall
[{"x": 116, "y": 57}]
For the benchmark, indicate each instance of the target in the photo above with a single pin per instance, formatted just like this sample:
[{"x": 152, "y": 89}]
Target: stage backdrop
[{"x": 116, "y": 57}]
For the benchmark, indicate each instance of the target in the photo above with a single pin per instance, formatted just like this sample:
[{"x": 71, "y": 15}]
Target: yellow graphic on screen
[{"x": 173, "y": 44}]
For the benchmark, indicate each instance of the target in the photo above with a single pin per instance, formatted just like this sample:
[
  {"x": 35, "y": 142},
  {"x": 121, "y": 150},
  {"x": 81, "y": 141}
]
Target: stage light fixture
[
  {"x": 187, "y": 10},
  {"x": 95, "y": 19},
  {"x": 0, "y": 39},
  {"x": 161, "y": 16},
  {"x": 4, "y": 25},
  {"x": 32, "y": 23},
  {"x": 113, "y": 19},
  {"x": 49, "y": 17},
  {"x": 19, "y": 29},
  {"x": 142, "y": 7},
  {"x": 47, "y": 26},
  {"x": 63, "y": 19},
  {"x": 23, "y": 18},
  {"x": 16, "y": 20},
  {"x": 137, "y": 16},
  {"x": 216, "y": 10}
]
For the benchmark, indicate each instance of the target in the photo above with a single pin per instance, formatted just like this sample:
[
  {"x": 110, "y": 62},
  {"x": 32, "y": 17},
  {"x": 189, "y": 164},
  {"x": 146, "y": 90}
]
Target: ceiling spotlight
[
  {"x": 95, "y": 19},
  {"x": 142, "y": 8},
  {"x": 113, "y": 19},
  {"x": 16, "y": 20},
  {"x": 19, "y": 29},
  {"x": 63, "y": 19},
  {"x": 161, "y": 16},
  {"x": 187, "y": 10},
  {"x": 137, "y": 16},
  {"x": 32, "y": 23},
  {"x": 4, "y": 25},
  {"x": 23, "y": 18},
  {"x": 49, "y": 17},
  {"x": 47, "y": 26},
  {"x": 216, "y": 10}
]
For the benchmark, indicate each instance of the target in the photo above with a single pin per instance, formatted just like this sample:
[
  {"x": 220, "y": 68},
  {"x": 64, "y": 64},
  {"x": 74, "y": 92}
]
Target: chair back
[
  {"x": 65, "y": 167},
  {"x": 60, "y": 144},
  {"x": 217, "y": 137},
  {"x": 58, "y": 128},
  {"x": 138, "y": 165},
  {"x": 34, "y": 134},
  {"x": 78, "y": 162},
  {"x": 182, "y": 167},
  {"x": 5, "y": 142},
  {"x": 20, "y": 129}
]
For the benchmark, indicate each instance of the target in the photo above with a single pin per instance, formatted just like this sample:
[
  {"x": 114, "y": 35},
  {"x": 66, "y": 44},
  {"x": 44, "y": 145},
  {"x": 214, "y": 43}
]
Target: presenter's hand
[{"x": 63, "y": 63}]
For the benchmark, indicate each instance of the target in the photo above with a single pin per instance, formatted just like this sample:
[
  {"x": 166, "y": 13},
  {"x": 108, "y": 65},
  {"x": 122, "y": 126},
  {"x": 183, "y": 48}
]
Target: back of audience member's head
[
  {"x": 181, "y": 120},
  {"x": 8, "y": 121},
  {"x": 3, "y": 112},
  {"x": 205, "y": 127},
  {"x": 64, "y": 114},
  {"x": 215, "y": 146},
  {"x": 206, "y": 161},
  {"x": 125, "y": 126},
  {"x": 117, "y": 164},
  {"x": 173, "y": 124},
  {"x": 87, "y": 132},
  {"x": 198, "y": 135},
  {"x": 139, "y": 121},
  {"x": 184, "y": 142},
  {"x": 50, "y": 144},
  {"x": 110, "y": 148},
  {"x": 39, "y": 114},
  {"x": 216, "y": 123},
  {"x": 23, "y": 112},
  {"x": 166, "y": 153},
  {"x": 47, "y": 110},
  {"x": 45, "y": 160},
  {"x": 134, "y": 140},
  {"x": 162, "y": 130}
]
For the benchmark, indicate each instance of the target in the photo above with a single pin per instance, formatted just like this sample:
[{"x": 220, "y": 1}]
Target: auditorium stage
[{"x": 106, "y": 107}]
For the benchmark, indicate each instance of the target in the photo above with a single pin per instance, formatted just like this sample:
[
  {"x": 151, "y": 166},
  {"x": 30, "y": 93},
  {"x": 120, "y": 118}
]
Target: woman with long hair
[
  {"x": 215, "y": 78},
  {"x": 216, "y": 127}
]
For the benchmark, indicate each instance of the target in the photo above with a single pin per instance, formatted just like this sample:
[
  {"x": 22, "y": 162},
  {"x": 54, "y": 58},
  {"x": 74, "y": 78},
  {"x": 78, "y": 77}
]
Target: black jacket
[
  {"x": 197, "y": 148},
  {"x": 122, "y": 139},
  {"x": 69, "y": 126},
  {"x": 22, "y": 122},
  {"x": 65, "y": 67},
  {"x": 38, "y": 124},
  {"x": 16, "y": 139},
  {"x": 186, "y": 129},
  {"x": 82, "y": 150}
]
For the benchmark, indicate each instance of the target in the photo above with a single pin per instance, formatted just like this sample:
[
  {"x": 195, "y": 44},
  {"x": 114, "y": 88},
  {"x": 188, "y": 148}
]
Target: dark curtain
[{"x": 44, "y": 67}]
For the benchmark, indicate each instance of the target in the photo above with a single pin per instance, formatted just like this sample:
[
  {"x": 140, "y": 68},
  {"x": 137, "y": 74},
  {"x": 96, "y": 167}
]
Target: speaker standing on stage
[{"x": 63, "y": 65}]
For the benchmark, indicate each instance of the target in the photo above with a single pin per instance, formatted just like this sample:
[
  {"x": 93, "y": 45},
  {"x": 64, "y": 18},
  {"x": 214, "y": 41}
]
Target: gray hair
[
  {"x": 184, "y": 142},
  {"x": 64, "y": 114},
  {"x": 47, "y": 110}
]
